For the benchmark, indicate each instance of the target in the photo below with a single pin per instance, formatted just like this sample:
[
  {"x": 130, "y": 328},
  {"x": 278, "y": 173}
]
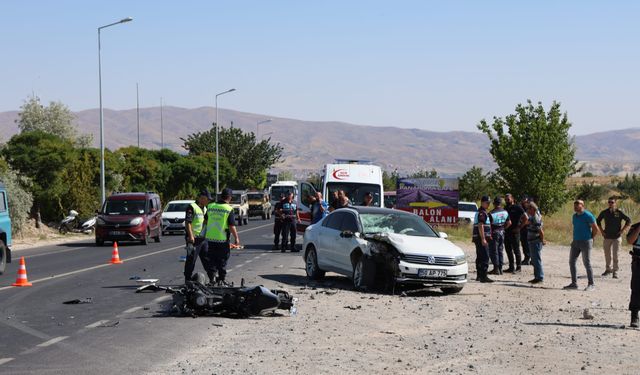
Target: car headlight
[
  {"x": 100, "y": 221},
  {"x": 136, "y": 221},
  {"x": 461, "y": 259}
]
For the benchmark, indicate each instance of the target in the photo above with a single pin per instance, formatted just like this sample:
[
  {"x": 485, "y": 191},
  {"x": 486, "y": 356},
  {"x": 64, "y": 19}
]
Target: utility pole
[
  {"x": 138, "y": 112},
  {"x": 161, "y": 127}
]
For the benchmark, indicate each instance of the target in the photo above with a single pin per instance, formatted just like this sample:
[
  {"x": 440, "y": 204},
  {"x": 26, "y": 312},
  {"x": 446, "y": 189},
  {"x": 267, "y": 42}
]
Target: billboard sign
[{"x": 435, "y": 199}]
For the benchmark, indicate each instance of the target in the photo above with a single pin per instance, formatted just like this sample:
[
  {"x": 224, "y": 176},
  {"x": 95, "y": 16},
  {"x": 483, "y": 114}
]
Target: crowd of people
[{"x": 520, "y": 225}]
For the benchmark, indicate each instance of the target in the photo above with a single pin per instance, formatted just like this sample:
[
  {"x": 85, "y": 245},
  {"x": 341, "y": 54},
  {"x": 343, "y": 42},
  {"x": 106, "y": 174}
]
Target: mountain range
[{"x": 310, "y": 144}]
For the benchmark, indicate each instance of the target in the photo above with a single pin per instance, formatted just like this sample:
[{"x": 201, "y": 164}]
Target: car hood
[
  {"x": 174, "y": 215},
  {"x": 416, "y": 245}
]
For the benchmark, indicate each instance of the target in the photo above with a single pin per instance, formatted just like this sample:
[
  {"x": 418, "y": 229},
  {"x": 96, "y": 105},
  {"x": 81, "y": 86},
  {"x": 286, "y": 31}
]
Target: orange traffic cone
[
  {"x": 115, "y": 258},
  {"x": 22, "y": 275}
]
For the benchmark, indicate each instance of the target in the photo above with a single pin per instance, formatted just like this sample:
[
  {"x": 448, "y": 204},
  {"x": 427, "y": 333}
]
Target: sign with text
[{"x": 435, "y": 199}]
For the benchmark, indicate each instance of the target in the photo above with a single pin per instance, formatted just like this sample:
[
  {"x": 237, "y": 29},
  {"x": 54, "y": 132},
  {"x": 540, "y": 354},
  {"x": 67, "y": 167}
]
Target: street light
[
  {"x": 128, "y": 19},
  {"x": 266, "y": 134},
  {"x": 218, "y": 131},
  {"x": 260, "y": 123}
]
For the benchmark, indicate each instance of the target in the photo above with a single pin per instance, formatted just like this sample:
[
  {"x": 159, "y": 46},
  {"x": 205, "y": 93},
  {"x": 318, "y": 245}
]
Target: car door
[
  {"x": 345, "y": 244},
  {"x": 305, "y": 190},
  {"x": 327, "y": 238}
]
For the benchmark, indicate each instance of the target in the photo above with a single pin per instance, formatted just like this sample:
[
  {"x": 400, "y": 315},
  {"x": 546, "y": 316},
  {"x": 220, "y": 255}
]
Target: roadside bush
[
  {"x": 20, "y": 199},
  {"x": 590, "y": 192},
  {"x": 630, "y": 186}
]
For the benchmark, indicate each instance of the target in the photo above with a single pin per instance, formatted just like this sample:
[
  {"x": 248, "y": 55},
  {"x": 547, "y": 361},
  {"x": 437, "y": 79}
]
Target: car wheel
[
  {"x": 311, "y": 265},
  {"x": 451, "y": 290},
  {"x": 363, "y": 273},
  {"x": 99, "y": 241},
  {"x": 3, "y": 257}
]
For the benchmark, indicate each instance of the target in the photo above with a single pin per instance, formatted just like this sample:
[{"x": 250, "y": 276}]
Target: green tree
[
  {"x": 83, "y": 193},
  {"x": 425, "y": 174},
  {"x": 56, "y": 119},
  {"x": 250, "y": 157},
  {"x": 630, "y": 186},
  {"x": 534, "y": 153},
  {"x": 285, "y": 176},
  {"x": 390, "y": 180},
  {"x": 20, "y": 199},
  {"x": 474, "y": 183},
  {"x": 192, "y": 173},
  {"x": 42, "y": 157},
  {"x": 590, "y": 192}
]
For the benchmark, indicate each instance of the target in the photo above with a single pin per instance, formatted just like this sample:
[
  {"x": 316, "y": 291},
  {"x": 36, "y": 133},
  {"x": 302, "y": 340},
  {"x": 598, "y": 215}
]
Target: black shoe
[
  {"x": 526, "y": 262},
  {"x": 518, "y": 270},
  {"x": 494, "y": 271},
  {"x": 275, "y": 247},
  {"x": 283, "y": 249},
  {"x": 535, "y": 281},
  {"x": 509, "y": 270},
  {"x": 486, "y": 280},
  {"x": 606, "y": 273},
  {"x": 615, "y": 275},
  {"x": 634, "y": 319}
]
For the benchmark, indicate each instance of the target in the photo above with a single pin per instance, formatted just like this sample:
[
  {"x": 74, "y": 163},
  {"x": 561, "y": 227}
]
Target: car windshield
[
  {"x": 356, "y": 192},
  {"x": 467, "y": 207},
  {"x": 399, "y": 223},
  {"x": 176, "y": 207},
  {"x": 255, "y": 197},
  {"x": 235, "y": 198},
  {"x": 277, "y": 191},
  {"x": 124, "y": 207}
]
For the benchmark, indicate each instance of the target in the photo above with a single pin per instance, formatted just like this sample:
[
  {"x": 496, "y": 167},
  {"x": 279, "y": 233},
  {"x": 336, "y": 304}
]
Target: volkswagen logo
[{"x": 431, "y": 259}]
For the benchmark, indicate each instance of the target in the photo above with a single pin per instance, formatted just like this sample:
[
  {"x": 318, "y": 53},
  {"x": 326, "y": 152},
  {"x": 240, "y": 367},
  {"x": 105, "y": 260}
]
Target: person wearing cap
[
  {"x": 535, "y": 236},
  {"x": 518, "y": 219},
  {"x": 481, "y": 238},
  {"x": 585, "y": 230},
  {"x": 290, "y": 218},
  {"x": 194, "y": 236},
  {"x": 219, "y": 224},
  {"x": 612, "y": 233},
  {"x": 368, "y": 199},
  {"x": 499, "y": 222}
]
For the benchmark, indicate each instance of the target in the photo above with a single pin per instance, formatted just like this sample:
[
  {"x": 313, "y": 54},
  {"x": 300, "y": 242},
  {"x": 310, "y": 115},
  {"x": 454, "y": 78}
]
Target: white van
[
  {"x": 280, "y": 188},
  {"x": 355, "y": 177}
]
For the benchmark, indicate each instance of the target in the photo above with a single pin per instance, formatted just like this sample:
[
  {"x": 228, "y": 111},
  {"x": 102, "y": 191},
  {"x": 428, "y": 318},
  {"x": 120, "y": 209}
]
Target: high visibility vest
[
  {"x": 217, "y": 222},
  {"x": 198, "y": 220}
]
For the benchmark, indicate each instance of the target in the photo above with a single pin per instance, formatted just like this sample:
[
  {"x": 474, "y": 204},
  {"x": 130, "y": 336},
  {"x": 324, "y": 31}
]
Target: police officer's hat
[
  {"x": 205, "y": 193},
  {"x": 497, "y": 201},
  {"x": 485, "y": 198},
  {"x": 226, "y": 193}
]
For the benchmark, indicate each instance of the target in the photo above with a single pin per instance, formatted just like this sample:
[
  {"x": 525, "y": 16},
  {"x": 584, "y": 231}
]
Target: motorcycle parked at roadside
[{"x": 71, "y": 223}]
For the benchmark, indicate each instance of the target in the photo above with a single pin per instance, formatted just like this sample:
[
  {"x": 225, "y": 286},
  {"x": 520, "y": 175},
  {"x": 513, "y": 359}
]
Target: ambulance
[{"x": 355, "y": 177}]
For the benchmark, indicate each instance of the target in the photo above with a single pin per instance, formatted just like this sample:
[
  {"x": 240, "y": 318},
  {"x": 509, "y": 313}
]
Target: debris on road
[
  {"x": 586, "y": 314},
  {"x": 78, "y": 301},
  {"x": 109, "y": 325},
  {"x": 358, "y": 307}
]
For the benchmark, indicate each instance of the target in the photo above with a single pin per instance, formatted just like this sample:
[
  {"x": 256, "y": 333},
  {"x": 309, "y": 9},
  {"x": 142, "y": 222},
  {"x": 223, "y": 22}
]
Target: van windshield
[
  {"x": 355, "y": 192},
  {"x": 277, "y": 191},
  {"x": 255, "y": 197},
  {"x": 235, "y": 198},
  {"x": 124, "y": 207},
  {"x": 467, "y": 207}
]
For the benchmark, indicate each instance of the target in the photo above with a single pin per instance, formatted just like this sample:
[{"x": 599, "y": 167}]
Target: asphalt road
[{"x": 120, "y": 330}]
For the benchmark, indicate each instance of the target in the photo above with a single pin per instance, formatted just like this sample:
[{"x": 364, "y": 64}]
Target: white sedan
[
  {"x": 173, "y": 216},
  {"x": 378, "y": 247}
]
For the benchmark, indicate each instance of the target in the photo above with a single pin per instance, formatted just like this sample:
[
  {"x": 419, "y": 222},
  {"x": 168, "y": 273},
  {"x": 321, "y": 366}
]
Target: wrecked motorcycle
[{"x": 196, "y": 298}]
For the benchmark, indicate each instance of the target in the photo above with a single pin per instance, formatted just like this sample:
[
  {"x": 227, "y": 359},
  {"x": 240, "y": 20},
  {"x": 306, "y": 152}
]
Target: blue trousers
[
  {"x": 496, "y": 245},
  {"x": 535, "y": 251}
]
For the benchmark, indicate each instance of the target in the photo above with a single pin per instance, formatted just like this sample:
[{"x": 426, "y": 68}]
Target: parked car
[
  {"x": 173, "y": 216},
  {"x": 374, "y": 245},
  {"x": 5, "y": 229},
  {"x": 240, "y": 205},
  {"x": 467, "y": 212},
  {"x": 130, "y": 217},
  {"x": 259, "y": 204}
]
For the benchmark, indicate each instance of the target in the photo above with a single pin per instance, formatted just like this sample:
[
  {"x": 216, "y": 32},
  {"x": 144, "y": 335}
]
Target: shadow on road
[
  {"x": 84, "y": 243},
  {"x": 329, "y": 282},
  {"x": 578, "y": 325}
]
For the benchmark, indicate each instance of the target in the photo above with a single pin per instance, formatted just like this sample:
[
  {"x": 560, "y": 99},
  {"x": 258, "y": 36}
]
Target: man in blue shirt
[
  {"x": 319, "y": 209},
  {"x": 584, "y": 230}
]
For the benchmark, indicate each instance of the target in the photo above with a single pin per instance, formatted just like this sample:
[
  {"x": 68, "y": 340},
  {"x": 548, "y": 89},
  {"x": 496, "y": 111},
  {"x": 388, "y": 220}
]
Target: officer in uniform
[
  {"x": 633, "y": 238},
  {"x": 481, "y": 238},
  {"x": 518, "y": 219},
  {"x": 194, "y": 236},
  {"x": 277, "y": 224},
  {"x": 219, "y": 223},
  {"x": 499, "y": 222},
  {"x": 290, "y": 217}
]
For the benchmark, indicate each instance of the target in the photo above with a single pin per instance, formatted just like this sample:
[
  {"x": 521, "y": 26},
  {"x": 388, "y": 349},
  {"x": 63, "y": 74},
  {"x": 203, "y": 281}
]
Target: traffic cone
[
  {"x": 115, "y": 258},
  {"x": 22, "y": 275}
]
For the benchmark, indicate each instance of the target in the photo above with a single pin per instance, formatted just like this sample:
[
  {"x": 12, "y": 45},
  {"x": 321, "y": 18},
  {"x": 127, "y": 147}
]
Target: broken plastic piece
[{"x": 79, "y": 301}]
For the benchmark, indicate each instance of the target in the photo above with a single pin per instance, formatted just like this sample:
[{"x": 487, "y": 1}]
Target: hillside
[{"x": 309, "y": 144}]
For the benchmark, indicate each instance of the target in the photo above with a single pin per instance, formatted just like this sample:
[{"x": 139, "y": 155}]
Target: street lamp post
[
  {"x": 138, "y": 113},
  {"x": 101, "y": 112},
  {"x": 260, "y": 123},
  {"x": 217, "y": 133},
  {"x": 161, "y": 127}
]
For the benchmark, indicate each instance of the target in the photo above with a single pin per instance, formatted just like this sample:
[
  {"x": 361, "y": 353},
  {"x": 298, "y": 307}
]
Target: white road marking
[
  {"x": 97, "y": 324},
  {"x": 133, "y": 309},
  {"x": 5, "y": 360},
  {"x": 53, "y": 252},
  {"x": 52, "y": 341},
  {"x": 248, "y": 261},
  {"x": 124, "y": 260}
]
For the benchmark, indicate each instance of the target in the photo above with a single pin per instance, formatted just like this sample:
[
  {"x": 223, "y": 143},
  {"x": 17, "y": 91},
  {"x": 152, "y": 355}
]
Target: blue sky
[{"x": 436, "y": 65}]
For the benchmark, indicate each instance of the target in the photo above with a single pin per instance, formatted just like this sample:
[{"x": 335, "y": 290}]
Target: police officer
[
  {"x": 194, "y": 236},
  {"x": 500, "y": 221},
  {"x": 481, "y": 238},
  {"x": 518, "y": 219},
  {"x": 277, "y": 223},
  {"x": 633, "y": 238},
  {"x": 290, "y": 217},
  {"x": 220, "y": 220}
]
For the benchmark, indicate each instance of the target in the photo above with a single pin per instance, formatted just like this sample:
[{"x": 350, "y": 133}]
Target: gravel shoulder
[{"x": 502, "y": 328}]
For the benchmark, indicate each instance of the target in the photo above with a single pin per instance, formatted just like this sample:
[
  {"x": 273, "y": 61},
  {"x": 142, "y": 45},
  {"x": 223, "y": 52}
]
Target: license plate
[
  {"x": 432, "y": 273},
  {"x": 117, "y": 233}
]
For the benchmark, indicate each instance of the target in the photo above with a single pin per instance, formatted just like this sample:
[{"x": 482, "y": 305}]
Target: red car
[{"x": 130, "y": 217}]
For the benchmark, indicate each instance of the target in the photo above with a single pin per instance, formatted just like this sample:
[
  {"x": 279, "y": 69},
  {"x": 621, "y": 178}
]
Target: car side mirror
[
  {"x": 444, "y": 235},
  {"x": 346, "y": 234}
]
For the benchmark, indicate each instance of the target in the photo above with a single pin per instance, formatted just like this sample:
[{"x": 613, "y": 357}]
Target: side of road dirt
[
  {"x": 502, "y": 328},
  {"x": 43, "y": 236}
]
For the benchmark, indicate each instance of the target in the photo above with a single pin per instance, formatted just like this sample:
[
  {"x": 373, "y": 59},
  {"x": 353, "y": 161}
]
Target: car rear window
[
  {"x": 177, "y": 207},
  {"x": 467, "y": 207}
]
